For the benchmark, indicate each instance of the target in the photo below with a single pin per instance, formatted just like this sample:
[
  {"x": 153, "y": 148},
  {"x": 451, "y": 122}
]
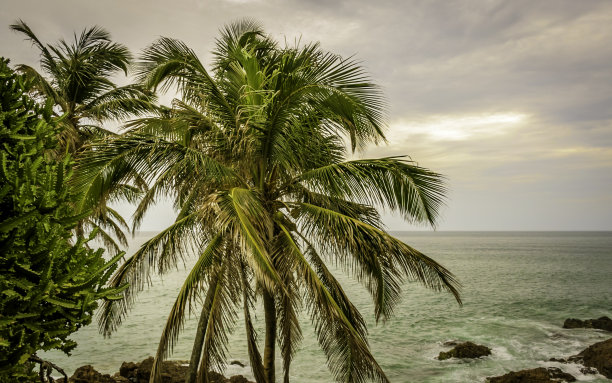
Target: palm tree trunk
[
  {"x": 196, "y": 353},
  {"x": 270, "y": 342}
]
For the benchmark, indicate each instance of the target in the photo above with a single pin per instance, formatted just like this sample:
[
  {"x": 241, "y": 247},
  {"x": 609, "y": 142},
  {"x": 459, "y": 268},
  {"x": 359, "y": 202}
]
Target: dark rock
[
  {"x": 87, "y": 374},
  {"x": 589, "y": 370},
  {"x": 143, "y": 370},
  {"x": 557, "y": 335},
  {"x": 237, "y": 363},
  {"x": 171, "y": 371},
  {"x": 466, "y": 350},
  {"x": 120, "y": 379},
  {"x": 603, "y": 323},
  {"x": 451, "y": 343},
  {"x": 215, "y": 377},
  {"x": 598, "y": 355},
  {"x": 127, "y": 369},
  {"x": 238, "y": 379},
  {"x": 536, "y": 375},
  {"x": 573, "y": 323},
  {"x": 558, "y": 360}
]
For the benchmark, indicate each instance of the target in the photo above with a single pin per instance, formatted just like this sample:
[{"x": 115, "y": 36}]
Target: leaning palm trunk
[{"x": 254, "y": 157}]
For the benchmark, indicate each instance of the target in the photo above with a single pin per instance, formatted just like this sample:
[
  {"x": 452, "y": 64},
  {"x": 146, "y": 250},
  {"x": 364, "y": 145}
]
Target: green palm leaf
[
  {"x": 191, "y": 287},
  {"x": 416, "y": 192},
  {"x": 348, "y": 355}
]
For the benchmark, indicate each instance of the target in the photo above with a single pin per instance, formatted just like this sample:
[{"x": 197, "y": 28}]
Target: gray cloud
[{"x": 455, "y": 62}]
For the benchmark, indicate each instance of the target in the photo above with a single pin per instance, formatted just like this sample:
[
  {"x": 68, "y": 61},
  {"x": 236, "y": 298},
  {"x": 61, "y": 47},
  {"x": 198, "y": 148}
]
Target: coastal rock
[
  {"x": 558, "y": 360},
  {"x": 87, "y": 374},
  {"x": 466, "y": 350},
  {"x": 603, "y": 323},
  {"x": 127, "y": 369},
  {"x": 238, "y": 379},
  {"x": 171, "y": 371},
  {"x": 599, "y": 356},
  {"x": 451, "y": 343},
  {"x": 536, "y": 375},
  {"x": 215, "y": 377},
  {"x": 589, "y": 370},
  {"x": 120, "y": 379}
]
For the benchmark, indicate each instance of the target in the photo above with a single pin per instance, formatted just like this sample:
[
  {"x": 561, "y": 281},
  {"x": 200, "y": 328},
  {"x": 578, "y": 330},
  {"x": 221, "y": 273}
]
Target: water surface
[{"x": 518, "y": 288}]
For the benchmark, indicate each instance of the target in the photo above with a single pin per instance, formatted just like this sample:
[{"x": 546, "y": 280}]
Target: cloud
[
  {"x": 457, "y": 127},
  {"x": 510, "y": 99}
]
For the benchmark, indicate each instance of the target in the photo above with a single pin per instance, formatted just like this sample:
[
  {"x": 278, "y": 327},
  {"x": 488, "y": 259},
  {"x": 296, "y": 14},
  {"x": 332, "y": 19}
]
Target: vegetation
[
  {"x": 50, "y": 282},
  {"x": 79, "y": 83},
  {"x": 253, "y": 153}
]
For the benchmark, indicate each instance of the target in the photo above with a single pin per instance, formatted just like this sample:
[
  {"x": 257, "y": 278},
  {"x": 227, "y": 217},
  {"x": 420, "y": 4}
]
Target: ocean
[{"x": 518, "y": 288}]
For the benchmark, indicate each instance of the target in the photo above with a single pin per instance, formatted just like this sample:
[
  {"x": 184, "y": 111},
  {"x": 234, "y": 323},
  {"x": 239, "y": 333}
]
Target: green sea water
[{"x": 518, "y": 288}]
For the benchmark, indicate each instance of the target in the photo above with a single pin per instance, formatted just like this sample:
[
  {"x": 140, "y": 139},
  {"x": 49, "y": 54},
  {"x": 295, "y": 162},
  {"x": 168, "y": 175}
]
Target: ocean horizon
[{"x": 518, "y": 288}]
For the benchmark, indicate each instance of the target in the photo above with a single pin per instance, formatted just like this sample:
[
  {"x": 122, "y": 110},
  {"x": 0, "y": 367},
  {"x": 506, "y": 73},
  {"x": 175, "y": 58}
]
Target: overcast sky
[{"x": 511, "y": 100}]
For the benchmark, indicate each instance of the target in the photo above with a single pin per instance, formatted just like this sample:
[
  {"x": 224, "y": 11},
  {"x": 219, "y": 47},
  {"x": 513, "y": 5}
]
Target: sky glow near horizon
[
  {"x": 456, "y": 127},
  {"x": 511, "y": 100}
]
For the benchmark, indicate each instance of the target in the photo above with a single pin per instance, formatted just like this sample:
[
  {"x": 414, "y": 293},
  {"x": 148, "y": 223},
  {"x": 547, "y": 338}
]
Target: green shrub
[{"x": 50, "y": 281}]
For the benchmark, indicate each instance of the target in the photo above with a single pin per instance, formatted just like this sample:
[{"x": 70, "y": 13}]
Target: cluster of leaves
[{"x": 49, "y": 280}]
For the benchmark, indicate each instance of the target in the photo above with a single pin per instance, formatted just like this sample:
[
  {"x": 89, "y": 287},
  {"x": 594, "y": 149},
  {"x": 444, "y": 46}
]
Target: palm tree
[
  {"x": 77, "y": 78},
  {"x": 254, "y": 156}
]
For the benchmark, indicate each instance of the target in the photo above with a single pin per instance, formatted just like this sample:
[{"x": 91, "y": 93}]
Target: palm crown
[
  {"x": 254, "y": 155},
  {"x": 77, "y": 77}
]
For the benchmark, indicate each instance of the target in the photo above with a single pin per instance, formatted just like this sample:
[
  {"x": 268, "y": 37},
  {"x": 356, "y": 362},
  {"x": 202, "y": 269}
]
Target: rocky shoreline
[
  {"x": 129, "y": 372},
  {"x": 595, "y": 359}
]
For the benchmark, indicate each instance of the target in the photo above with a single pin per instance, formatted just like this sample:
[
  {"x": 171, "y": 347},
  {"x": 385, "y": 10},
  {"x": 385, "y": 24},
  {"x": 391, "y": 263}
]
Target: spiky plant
[
  {"x": 253, "y": 154},
  {"x": 49, "y": 279}
]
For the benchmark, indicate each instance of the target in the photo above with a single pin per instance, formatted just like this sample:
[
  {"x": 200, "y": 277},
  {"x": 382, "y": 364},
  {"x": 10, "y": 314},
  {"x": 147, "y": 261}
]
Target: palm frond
[
  {"x": 47, "y": 60},
  {"x": 220, "y": 319},
  {"x": 417, "y": 193},
  {"x": 242, "y": 209},
  {"x": 348, "y": 354},
  {"x": 377, "y": 258},
  {"x": 288, "y": 305},
  {"x": 169, "y": 62},
  {"x": 164, "y": 248},
  {"x": 41, "y": 85},
  {"x": 248, "y": 301},
  {"x": 120, "y": 103},
  {"x": 110, "y": 243},
  {"x": 190, "y": 289}
]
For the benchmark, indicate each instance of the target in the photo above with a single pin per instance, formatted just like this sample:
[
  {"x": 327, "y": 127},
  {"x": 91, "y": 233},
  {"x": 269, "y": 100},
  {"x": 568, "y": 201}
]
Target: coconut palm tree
[
  {"x": 77, "y": 77},
  {"x": 253, "y": 154}
]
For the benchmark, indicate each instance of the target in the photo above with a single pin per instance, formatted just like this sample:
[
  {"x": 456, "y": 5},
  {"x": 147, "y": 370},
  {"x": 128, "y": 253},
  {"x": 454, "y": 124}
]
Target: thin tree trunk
[
  {"x": 196, "y": 353},
  {"x": 270, "y": 343}
]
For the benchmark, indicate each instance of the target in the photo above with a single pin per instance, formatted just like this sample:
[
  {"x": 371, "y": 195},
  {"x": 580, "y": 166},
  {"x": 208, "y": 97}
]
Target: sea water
[{"x": 518, "y": 288}]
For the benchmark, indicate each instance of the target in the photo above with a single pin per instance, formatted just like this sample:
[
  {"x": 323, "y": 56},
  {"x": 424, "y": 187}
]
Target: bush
[{"x": 50, "y": 281}]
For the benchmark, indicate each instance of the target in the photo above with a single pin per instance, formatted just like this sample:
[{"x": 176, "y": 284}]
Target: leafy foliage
[{"x": 50, "y": 282}]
